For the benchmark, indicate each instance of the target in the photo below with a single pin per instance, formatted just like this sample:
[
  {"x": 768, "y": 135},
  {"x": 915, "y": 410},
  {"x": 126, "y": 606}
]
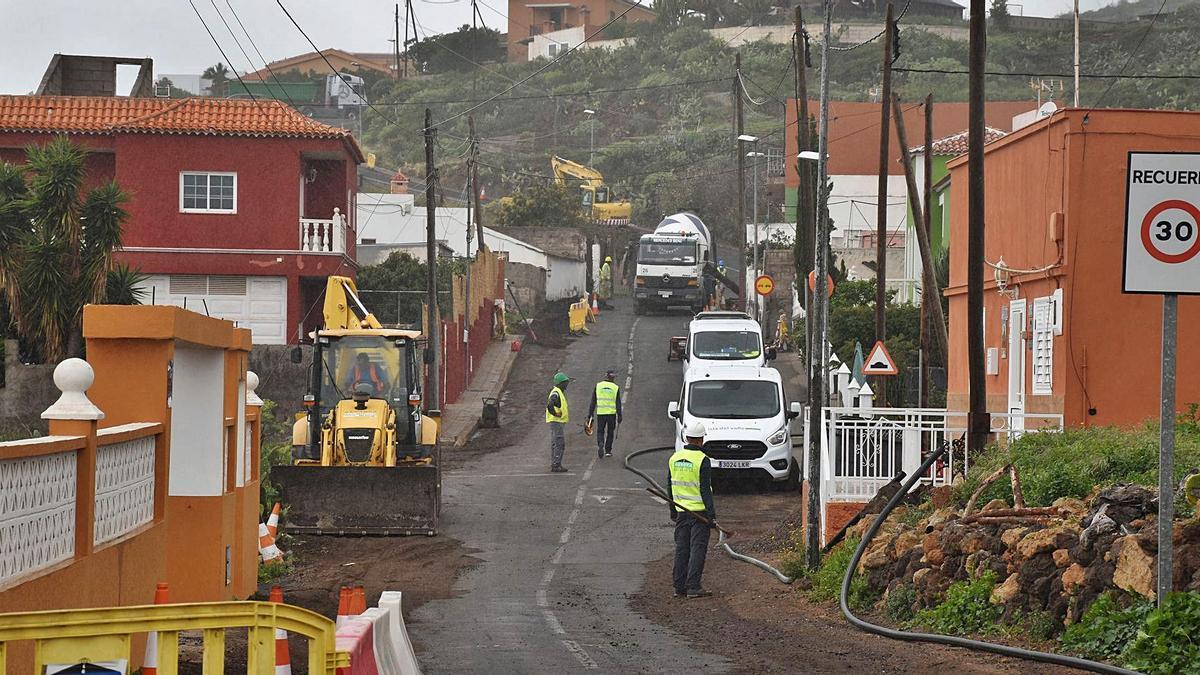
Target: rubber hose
[
  {"x": 978, "y": 645},
  {"x": 720, "y": 535}
]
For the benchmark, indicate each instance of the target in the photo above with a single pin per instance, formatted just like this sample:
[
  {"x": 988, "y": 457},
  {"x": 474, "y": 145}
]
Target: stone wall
[
  {"x": 528, "y": 284},
  {"x": 27, "y": 391}
]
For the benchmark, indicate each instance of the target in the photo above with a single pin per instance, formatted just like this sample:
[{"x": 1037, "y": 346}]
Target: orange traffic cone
[
  {"x": 273, "y": 521},
  {"x": 343, "y": 610},
  {"x": 595, "y": 305},
  {"x": 283, "y": 660},
  {"x": 150, "y": 663},
  {"x": 266, "y": 546}
]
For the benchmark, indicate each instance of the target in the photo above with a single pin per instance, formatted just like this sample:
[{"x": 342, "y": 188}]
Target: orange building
[
  {"x": 527, "y": 18},
  {"x": 1060, "y": 336}
]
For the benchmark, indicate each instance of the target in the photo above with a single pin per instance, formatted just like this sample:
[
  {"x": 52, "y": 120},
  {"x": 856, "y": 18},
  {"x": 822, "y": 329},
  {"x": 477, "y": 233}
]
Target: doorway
[{"x": 1016, "y": 367}]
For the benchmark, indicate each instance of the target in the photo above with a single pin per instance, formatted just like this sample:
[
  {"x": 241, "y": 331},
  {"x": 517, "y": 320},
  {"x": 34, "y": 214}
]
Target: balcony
[{"x": 324, "y": 236}]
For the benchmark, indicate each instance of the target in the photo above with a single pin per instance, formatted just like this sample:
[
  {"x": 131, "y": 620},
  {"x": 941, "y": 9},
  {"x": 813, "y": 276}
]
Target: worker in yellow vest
[
  {"x": 690, "y": 487},
  {"x": 605, "y": 408},
  {"x": 606, "y": 281},
  {"x": 557, "y": 416}
]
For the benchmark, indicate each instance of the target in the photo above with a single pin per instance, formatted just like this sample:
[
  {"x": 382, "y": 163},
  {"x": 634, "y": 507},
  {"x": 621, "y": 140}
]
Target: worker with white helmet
[
  {"x": 689, "y": 488},
  {"x": 606, "y": 281}
]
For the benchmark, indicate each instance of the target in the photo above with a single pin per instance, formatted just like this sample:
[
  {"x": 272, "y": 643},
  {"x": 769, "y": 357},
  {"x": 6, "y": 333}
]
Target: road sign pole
[{"x": 1166, "y": 448}]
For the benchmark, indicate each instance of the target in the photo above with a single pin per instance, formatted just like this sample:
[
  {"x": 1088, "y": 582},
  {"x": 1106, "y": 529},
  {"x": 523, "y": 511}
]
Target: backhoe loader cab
[{"x": 365, "y": 458}]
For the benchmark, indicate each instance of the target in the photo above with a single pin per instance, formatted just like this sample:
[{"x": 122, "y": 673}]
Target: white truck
[
  {"x": 671, "y": 263},
  {"x": 344, "y": 90},
  {"x": 747, "y": 420}
]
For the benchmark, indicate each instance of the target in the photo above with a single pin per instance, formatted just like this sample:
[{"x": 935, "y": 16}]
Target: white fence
[
  {"x": 323, "y": 236},
  {"x": 37, "y": 511},
  {"x": 124, "y": 483},
  {"x": 862, "y": 449}
]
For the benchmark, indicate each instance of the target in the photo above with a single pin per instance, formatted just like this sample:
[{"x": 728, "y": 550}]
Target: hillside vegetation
[{"x": 663, "y": 129}]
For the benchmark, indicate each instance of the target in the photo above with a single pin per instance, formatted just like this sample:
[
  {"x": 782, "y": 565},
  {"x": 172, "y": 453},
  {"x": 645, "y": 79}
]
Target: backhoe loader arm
[
  {"x": 565, "y": 168},
  {"x": 343, "y": 308}
]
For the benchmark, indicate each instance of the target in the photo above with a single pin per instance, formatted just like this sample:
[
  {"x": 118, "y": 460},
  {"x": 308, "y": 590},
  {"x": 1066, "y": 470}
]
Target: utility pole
[
  {"x": 818, "y": 358},
  {"x": 431, "y": 294},
  {"x": 805, "y": 213},
  {"x": 397, "y": 41},
  {"x": 881, "y": 211},
  {"x": 1076, "y": 54},
  {"x": 978, "y": 423},
  {"x": 475, "y": 196},
  {"x": 928, "y": 293},
  {"x": 407, "y": 14},
  {"x": 741, "y": 191}
]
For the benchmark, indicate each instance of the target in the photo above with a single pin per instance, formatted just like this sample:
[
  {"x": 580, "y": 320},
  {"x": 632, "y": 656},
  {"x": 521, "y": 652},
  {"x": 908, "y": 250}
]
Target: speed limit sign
[{"x": 1162, "y": 223}]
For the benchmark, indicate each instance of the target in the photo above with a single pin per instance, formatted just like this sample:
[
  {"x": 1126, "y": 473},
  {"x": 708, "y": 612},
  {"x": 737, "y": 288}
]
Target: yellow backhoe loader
[{"x": 366, "y": 461}]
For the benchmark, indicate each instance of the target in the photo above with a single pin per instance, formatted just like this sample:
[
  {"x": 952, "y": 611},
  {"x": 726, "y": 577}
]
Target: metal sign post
[{"x": 1162, "y": 240}]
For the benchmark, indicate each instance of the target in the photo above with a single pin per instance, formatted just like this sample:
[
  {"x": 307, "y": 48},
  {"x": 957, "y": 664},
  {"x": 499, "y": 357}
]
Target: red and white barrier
[{"x": 378, "y": 641}]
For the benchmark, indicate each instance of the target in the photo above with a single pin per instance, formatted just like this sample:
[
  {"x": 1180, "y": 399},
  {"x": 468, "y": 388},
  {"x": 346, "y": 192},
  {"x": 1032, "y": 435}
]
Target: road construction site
[{"x": 539, "y": 572}]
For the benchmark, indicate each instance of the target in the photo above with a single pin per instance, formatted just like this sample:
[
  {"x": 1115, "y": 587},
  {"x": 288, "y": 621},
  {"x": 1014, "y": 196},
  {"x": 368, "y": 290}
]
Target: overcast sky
[{"x": 169, "y": 32}]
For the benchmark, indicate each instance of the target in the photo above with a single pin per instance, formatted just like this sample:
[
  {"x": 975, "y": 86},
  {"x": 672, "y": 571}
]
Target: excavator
[
  {"x": 597, "y": 197},
  {"x": 365, "y": 459}
]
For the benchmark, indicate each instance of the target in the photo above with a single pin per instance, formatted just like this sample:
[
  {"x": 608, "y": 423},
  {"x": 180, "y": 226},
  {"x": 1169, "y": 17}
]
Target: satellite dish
[{"x": 1048, "y": 108}]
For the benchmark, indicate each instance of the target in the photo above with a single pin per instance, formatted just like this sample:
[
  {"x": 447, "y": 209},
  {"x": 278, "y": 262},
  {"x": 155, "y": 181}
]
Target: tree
[
  {"x": 218, "y": 75},
  {"x": 999, "y": 12},
  {"x": 457, "y": 51},
  {"x": 56, "y": 245},
  {"x": 173, "y": 90},
  {"x": 540, "y": 205},
  {"x": 125, "y": 285},
  {"x": 379, "y": 286}
]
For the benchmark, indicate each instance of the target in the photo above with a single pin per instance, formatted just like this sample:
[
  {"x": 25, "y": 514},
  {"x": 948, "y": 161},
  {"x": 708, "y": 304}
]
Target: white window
[
  {"x": 553, "y": 50},
  {"x": 1043, "y": 345},
  {"x": 207, "y": 192}
]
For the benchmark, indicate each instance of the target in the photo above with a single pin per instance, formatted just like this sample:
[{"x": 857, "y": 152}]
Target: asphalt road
[{"x": 562, "y": 553}]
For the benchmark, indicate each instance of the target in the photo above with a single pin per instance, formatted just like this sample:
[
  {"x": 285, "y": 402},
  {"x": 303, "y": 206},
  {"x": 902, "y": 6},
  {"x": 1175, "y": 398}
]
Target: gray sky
[{"x": 168, "y": 31}]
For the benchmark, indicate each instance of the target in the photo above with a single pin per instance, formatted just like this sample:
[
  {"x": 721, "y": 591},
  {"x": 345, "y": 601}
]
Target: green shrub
[
  {"x": 1106, "y": 628},
  {"x": 900, "y": 603},
  {"x": 273, "y": 452},
  {"x": 1168, "y": 641},
  {"x": 827, "y": 580},
  {"x": 967, "y": 609},
  {"x": 791, "y": 555},
  {"x": 1074, "y": 462}
]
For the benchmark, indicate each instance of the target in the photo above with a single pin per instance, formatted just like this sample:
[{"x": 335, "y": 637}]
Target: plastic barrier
[
  {"x": 576, "y": 317},
  {"x": 377, "y": 640}
]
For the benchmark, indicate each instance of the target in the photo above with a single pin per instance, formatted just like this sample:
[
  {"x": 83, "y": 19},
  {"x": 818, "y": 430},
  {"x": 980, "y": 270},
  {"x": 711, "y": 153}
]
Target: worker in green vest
[
  {"x": 605, "y": 408},
  {"x": 690, "y": 489},
  {"x": 606, "y": 281},
  {"x": 557, "y": 416}
]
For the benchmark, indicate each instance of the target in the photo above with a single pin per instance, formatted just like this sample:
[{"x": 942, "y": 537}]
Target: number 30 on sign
[{"x": 1162, "y": 223}]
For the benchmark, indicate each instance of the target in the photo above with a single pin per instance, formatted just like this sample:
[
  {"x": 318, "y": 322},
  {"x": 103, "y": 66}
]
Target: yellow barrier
[
  {"x": 104, "y": 634},
  {"x": 577, "y": 316}
]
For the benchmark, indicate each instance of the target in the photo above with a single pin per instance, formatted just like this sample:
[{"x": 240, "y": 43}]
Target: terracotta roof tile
[
  {"x": 956, "y": 144},
  {"x": 193, "y": 116}
]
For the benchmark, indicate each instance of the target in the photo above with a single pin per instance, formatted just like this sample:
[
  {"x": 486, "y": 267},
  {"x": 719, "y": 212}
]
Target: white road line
[
  {"x": 574, "y": 516},
  {"x": 558, "y": 557},
  {"x": 542, "y": 597},
  {"x": 565, "y": 536},
  {"x": 575, "y": 648}
]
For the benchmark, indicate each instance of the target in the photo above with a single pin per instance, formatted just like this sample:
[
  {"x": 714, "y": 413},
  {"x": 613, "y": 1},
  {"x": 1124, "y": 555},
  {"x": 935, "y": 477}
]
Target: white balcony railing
[{"x": 323, "y": 236}]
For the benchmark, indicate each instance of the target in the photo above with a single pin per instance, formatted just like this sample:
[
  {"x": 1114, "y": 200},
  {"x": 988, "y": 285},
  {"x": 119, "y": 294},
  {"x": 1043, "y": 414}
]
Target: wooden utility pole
[
  {"x": 929, "y": 294},
  {"x": 881, "y": 206},
  {"x": 805, "y": 213},
  {"x": 407, "y": 14},
  {"x": 939, "y": 317},
  {"x": 978, "y": 423},
  {"x": 741, "y": 188},
  {"x": 476, "y": 203},
  {"x": 431, "y": 294},
  {"x": 397, "y": 43}
]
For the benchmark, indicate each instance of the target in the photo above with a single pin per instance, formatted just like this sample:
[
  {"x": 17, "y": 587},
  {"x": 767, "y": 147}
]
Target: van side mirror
[
  {"x": 771, "y": 353},
  {"x": 297, "y": 355},
  {"x": 794, "y": 411},
  {"x": 673, "y": 410}
]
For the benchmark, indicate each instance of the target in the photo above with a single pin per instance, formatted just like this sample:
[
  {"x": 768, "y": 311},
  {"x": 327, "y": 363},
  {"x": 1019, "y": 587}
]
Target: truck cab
[
  {"x": 671, "y": 263},
  {"x": 747, "y": 419},
  {"x": 725, "y": 339}
]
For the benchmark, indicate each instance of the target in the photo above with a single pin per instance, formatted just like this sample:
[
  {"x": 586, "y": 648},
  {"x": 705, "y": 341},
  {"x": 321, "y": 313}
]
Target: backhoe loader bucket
[{"x": 360, "y": 500}]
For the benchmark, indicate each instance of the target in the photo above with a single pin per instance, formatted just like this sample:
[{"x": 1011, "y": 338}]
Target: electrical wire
[
  {"x": 874, "y": 37},
  {"x": 1095, "y": 76},
  {"x": 976, "y": 645},
  {"x": 1129, "y": 60},
  {"x": 265, "y": 63},
  {"x": 228, "y": 63},
  {"x": 242, "y": 49}
]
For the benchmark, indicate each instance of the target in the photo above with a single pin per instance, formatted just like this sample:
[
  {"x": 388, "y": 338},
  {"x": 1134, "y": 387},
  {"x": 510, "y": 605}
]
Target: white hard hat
[{"x": 694, "y": 429}]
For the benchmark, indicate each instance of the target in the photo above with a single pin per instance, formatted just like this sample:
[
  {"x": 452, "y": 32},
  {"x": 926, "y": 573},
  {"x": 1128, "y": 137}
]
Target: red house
[{"x": 239, "y": 208}]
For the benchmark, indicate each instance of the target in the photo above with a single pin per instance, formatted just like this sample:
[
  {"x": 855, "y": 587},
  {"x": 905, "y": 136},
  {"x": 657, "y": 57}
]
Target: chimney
[{"x": 399, "y": 184}]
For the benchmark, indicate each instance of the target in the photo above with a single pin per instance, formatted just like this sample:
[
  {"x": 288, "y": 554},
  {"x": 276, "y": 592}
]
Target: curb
[{"x": 501, "y": 382}]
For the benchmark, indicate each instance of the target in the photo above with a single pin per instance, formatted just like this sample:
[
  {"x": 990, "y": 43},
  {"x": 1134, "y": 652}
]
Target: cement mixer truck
[{"x": 675, "y": 267}]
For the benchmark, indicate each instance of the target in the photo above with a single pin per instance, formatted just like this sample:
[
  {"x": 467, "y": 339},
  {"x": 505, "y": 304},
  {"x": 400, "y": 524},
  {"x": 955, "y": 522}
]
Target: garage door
[{"x": 257, "y": 303}]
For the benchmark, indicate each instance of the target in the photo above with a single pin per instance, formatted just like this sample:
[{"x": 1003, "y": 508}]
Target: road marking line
[
  {"x": 579, "y": 495},
  {"x": 566, "y": 536},
  {"x": 552, "y": 622},
  {"x": 587, "y": 661},
  {"x": 548, "y": 577},
  {"x": 541, "y": 598},
  {"x": 574, "y": 516},
  {"x": 558, "y": 556}
]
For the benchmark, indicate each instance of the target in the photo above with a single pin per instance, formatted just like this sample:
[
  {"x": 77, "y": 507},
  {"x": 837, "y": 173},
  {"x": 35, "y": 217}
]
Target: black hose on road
[
  {"x": 721, "y": 535},
  {"x": 979, "y": 645}
]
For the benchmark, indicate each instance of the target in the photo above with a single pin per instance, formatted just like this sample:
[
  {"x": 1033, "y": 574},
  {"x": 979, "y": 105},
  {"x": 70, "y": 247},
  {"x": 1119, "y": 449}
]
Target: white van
[
  {"x": 747, "y": 420},
  {"x": 725, "y": 339}
]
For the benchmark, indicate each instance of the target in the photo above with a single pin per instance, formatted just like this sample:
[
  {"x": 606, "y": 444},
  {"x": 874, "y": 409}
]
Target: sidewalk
[{"x": 459, "y": 420}]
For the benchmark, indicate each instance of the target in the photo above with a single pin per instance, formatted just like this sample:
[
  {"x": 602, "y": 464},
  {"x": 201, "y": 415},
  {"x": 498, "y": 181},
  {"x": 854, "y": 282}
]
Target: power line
[
  {"x": 265, "y": 63},
  {"x": 590, "y": 92},
  {"x": 1097, "y": 76},
  {"x": 226, "y": 58},
  {"x": 242, "y": 49},
  {"x": 875, "y": 36},
  {"x": 1133, "y": 53}
]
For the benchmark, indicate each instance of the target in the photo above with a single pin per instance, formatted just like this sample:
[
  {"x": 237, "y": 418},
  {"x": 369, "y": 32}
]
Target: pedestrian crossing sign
[{"x": 879, "y": 361}]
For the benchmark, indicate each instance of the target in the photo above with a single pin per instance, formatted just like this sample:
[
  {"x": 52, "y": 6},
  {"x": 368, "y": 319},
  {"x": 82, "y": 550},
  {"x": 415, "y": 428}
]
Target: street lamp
[
  {"x": 754, "y": 155},
  {"x": 592, "y": 143},
  {"x": 811, "y": 155}
]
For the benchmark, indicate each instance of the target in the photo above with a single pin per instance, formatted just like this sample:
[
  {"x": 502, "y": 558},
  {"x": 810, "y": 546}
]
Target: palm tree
[
  {"x": 56, "y": 245},
  {"x": 219, "y": 76},
  {"x": 125, "y": 286}
]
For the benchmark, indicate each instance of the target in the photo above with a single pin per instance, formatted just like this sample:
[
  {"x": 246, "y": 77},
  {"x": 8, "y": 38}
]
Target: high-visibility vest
[
  {"x": 605, "y": 272},
  {"x": 606, "y": 398},
  {"x": 562, "y": 415},
  {"x": 685, "y": 479},
  {"x": 372, "y": 373}
]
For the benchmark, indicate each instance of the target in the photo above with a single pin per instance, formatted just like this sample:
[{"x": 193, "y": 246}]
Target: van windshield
[
  {"x": 733, "y": 399},
  {"x": 727, "y": 345}
]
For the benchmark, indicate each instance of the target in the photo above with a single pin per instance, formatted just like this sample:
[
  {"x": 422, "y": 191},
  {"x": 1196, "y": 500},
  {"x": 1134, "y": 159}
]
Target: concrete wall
[
  {"x": 27, "y": 391},
  {"x": 528, "y": 284}
]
